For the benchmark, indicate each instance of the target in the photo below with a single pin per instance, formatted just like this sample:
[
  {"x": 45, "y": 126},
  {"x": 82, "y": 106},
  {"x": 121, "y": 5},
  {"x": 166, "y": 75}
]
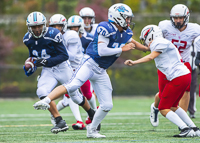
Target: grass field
[{"x": 128, "y": 121}]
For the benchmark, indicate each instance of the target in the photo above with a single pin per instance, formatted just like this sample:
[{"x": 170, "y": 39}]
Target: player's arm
[
  {"x": 62, "y": 55},
  {"x": 138, "y": 45},
  {"x": 147, "y": 58},
  {"x": 104, "y": 50}
]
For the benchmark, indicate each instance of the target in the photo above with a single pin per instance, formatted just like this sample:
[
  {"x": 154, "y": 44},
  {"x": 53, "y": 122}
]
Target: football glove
[
  {"x": 30, "y": 71},
  {"x": 40, "y": 62}
]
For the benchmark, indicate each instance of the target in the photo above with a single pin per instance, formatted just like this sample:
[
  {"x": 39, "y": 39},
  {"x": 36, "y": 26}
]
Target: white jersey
[
  {"x": 182, "y": 40},
  {"x": 169, "y": 61},
  {"x": 94, "y": 27},
  {"x": 73, "y": 45},
  {"x": 197, "y": 44}
]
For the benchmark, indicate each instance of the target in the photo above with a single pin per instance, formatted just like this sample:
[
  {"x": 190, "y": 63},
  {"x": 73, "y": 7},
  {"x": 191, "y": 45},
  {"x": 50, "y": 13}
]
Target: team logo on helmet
[{"x": 121, "y": 9}]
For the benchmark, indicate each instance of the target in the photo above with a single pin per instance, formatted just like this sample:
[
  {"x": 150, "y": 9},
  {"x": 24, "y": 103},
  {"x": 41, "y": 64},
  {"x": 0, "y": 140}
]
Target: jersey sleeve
[
  {"x": 159, "y": 45},
  {"x": 62, "y": 55},
  {"x": 103, "y": 29}
]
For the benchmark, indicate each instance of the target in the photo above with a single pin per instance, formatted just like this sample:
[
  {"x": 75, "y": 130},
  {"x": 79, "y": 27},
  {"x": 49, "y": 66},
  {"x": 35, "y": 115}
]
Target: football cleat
[
  {"x": 197, "y": 131},
  {"x": 186, "y": 132},
  {"x": 41, "y": 105},
  {"x": 79, "y": 126},
  {"x": 93, "y": 133},
  {"x": 154, "y": 116},
  {"x": 88, "y": 121},
  {"x": 60, "y": 127}
]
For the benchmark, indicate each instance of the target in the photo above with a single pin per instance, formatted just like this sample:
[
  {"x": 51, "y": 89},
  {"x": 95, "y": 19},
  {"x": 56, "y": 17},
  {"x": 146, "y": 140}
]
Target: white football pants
[{"x": 99, "y": 78}]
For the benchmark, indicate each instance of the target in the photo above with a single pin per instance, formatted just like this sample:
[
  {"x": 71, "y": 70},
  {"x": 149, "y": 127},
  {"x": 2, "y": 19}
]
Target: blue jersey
[
  {"x": 85, "y": 40},
  {"x": 49, "y": 47},
  {"x": 116, "y": 40}
]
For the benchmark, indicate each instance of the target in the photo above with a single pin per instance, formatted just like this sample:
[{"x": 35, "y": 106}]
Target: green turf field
[{"x": 128, "y": 121}]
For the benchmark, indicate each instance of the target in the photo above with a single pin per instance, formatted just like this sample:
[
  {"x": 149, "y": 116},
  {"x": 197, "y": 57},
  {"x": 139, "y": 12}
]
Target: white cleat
[
  {"x": 41, "y": 105},
  {"x": 154, "y": 116},
  {"x": 197, "y": 131},
  {"x": 93, "y": 133}
]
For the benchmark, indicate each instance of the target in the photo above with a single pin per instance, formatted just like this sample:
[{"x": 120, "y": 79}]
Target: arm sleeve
[
  {"x": 103, "y": 50},
  {"x": 61, "y": 55}
]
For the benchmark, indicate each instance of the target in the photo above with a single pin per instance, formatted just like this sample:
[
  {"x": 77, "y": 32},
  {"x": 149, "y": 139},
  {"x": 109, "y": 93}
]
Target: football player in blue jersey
[
  {"x": 45, "y": 43},
  {"x": 109, "y": 42}
]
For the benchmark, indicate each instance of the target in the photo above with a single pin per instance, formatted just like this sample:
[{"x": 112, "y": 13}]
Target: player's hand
[
  {"x": 40, "y": 62},
  {"x": 127, "y": 47},
  {"x": 129, "y": 62},
  {"x": 29, "y": 71}
]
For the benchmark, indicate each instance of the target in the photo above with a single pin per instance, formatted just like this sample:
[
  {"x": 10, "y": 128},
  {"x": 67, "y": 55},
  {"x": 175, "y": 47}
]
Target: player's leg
[
  {"x": 45, "y": 84},
  {"x": 184, "y": 102},
  {"x": 80, "y": 76},
  {"x": 103, "y": 88},
  {"x": 154, "y": 106},
  {"x": 85, "y": 89},
  {"x": 171, "y": 99},
  {"x": 192, "y": 103}
]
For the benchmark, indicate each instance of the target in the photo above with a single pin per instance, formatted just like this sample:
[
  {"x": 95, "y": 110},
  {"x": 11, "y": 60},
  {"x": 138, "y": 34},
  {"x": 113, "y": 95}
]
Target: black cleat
[
  {"x": 186, "y": 132},
  {"x": 60, "y": 127}
]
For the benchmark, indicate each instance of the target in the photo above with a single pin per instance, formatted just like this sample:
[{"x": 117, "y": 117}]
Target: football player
[
  {"x": 181, "y": 34},
  {"x": 108, "y": 44},
  {"x": 73, "y": 47},
  {"x": 88, "y": 16},
  {"x": 178, "y": 77},
  {"x": 45, "y": 43}
]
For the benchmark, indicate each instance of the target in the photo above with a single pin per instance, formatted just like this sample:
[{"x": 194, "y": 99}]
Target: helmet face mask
[
  {"x": 76, "y": 21},
  {"x": 34, "y": 22},
  {"x": 58, "y": 20},
  {"x": 179, "y": 11},
  {"x": 121, "y": 14},
  {"x": 88, "y": 13}
]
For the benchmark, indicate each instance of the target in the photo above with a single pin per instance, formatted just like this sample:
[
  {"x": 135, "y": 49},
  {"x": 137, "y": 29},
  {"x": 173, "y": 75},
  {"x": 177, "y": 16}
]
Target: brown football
[{"x": 29, "y": 63}]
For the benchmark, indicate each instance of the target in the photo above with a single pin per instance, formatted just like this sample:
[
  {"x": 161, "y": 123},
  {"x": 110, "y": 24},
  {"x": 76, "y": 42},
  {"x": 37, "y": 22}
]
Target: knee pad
[
  {"x": 107, "y": 106},
  {"x": 41, "y": 93},
  {"x": 76, "y": 97}
]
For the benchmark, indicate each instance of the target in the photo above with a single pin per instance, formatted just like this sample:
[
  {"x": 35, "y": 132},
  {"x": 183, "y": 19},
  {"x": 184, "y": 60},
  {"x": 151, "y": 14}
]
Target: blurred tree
[
  {"x": 67, "y": 8},
  {"x": 134, "y": 5},
  {"x": 101, "y": 12},
  {"x": 32, "y": 5},
  {"x": 5, "y": 46}
]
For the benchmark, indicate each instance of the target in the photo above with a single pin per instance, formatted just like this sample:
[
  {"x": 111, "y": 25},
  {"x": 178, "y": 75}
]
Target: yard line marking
[{"x": 70, "y": 114}]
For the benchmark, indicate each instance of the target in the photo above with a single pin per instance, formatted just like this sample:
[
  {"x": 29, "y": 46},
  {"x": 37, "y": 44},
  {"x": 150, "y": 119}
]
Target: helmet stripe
[
  {"x": 34, "y": 16},
  {"x": 73, "y": 18}
]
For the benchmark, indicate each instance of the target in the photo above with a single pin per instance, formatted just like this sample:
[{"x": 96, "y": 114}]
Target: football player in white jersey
[
  {"x": 88, "y": 16},
  {"x": 178, "y": 77},
  {"x": 73, "y": 46},
  {"x": 108, "y": 44},
  {"x": 181, "y": 34},
  {"x": 45, "y": 43}
]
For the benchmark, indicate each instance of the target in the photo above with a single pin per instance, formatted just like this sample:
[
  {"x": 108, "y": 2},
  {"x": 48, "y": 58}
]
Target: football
[{"x": 29, "y": 63}]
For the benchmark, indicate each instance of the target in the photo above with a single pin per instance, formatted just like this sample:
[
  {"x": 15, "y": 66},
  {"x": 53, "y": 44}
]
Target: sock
[
  {"x": 91, "y": 113},
  {"x": 98, "y": 117},
  {"x": 58, "y": 119},
  {"x": 47, "y": 100},
  {"x": 92, "y": 103},
  {"x": 174, "y": 118},
  {"x": 75, "y": 109},
  {"x": 183, "y": 115},
  {"x": 60, "y": 105}
]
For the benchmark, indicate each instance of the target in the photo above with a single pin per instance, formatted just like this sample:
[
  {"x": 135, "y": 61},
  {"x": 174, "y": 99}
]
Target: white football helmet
[
  {"x": 149, "y": 33},
  {"x": 118, "y": 13},
  {"x": 179, "y": 10},
  {"x": 36, "y": 18},
  {"x": 87, "y": 12},
  {"x": 58, "y": 19},
  {"x": 76, "y": 20}
]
